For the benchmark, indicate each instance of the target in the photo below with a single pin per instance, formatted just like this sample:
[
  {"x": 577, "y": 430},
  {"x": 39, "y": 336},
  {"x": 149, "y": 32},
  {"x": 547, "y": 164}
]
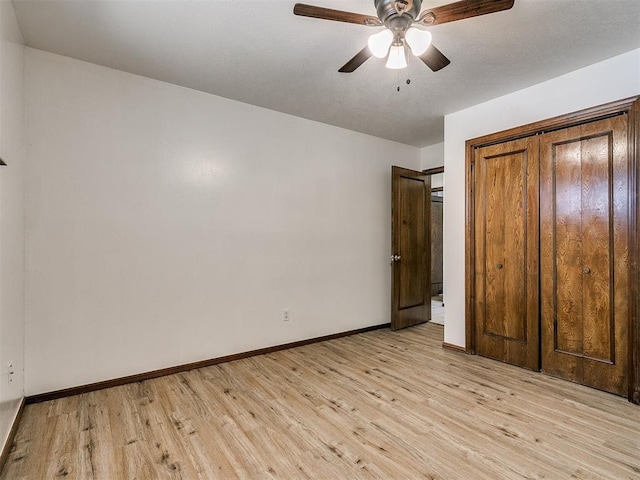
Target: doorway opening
[{"x": 437, "y": 244}]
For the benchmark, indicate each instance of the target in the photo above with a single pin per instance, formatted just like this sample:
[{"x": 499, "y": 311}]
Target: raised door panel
[
  {"x": 598, "y": 219},
  {"x": 506, "y": 268},
  {"x": 568, "y": 244},
  {"x": 584, "y": 254},
  {"x": 411, "y": 243}
]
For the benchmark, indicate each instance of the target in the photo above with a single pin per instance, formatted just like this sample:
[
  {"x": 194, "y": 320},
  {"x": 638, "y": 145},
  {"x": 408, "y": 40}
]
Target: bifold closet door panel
[
  {"x": 584, "y": 235},
  {"x": 506, "y": 252}
]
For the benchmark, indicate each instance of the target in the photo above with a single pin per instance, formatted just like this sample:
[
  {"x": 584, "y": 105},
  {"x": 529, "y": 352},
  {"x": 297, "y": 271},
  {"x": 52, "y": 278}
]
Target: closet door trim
[
  {"x": 564, "y": 121},
  {"x": 633, "y": 149}
]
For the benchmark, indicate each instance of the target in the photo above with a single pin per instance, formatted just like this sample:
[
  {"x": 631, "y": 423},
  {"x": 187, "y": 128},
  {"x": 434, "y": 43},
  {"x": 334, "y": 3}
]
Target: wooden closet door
[
  {"x": 584, "y": 235},
  {"x": 506, "y": 252}
]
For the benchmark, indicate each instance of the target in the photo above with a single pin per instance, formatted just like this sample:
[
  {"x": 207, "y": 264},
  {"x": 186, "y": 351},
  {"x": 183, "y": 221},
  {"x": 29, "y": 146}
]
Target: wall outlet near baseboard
[
  {"x": 10, "y": 371},
  {"x": 286, "y": 315}
]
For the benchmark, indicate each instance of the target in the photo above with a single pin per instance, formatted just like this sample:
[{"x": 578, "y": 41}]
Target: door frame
[
  {"x": 431, "y": 172},
  {"x": 629, "y": 106}
]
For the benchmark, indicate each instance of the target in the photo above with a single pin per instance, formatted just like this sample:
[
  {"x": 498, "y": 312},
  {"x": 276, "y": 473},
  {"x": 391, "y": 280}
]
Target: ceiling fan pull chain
[{"x": 408, "y": 82}]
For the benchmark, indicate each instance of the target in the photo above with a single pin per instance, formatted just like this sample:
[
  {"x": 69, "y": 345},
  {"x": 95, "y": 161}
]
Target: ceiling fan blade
[
  {"x": 360, "y": 57},
  {"x": 336, "y": 15},
  {"x": 463, "y": 9},
  {"x": 434, "y": 59}
]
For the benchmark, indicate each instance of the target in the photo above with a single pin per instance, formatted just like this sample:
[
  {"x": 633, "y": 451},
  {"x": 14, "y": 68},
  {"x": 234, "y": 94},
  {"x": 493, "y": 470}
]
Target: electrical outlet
[
  {"x": 10, "y": 372},
  {"x": 286, "y": 315}
]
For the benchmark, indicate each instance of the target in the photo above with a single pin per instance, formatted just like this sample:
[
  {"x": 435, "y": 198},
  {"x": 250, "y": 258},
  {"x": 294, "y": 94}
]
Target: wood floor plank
[{"x": 345, "y": 408}]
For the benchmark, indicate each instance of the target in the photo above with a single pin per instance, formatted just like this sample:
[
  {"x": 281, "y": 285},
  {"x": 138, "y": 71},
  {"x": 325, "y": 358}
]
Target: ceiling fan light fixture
[
  {"x": 397, "y": 57},
  {"x": 380, "y": 42},
  {"x": 418, "y": 40}
]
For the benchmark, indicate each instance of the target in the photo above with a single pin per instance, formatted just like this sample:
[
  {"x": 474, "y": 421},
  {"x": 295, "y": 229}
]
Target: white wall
[
  {"x": 432, "y": 156},
  {"x": 437, "y": 180},
  {"x": 166, "y": 226},
  {"x": 613, "y": 79},
  {"x": 12, "y": 151}
]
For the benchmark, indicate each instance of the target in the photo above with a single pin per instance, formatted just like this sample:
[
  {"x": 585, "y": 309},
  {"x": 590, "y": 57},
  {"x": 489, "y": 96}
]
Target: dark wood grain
[
  {"x": 584, "y": 254},
  {"x": 411, "y": 243},
  {"x": 359, "y": 58},
  {"x": 604, "y": 200},
  {"x": 8, "y": 445},
  {"x": 470, "y": 248},
  {"x": 465, "y": 9},
  {"x": 609, "y": 110},
  {"x": 411, "y": 232},
  {"x": 606, "y": 343},
  {"x": 455, "y": 348},
  {"x": 506, "y": 252},
  {"x": 69, "y": 392},
  {"x": 568, "y": 245},
  {"x": 433, "y": 171},
  {"x": 634, "y": 253},
  {"x": 561, "y": 274},
  {"x": 312, "y": 11},
  {"x": 434, "y": 58}
]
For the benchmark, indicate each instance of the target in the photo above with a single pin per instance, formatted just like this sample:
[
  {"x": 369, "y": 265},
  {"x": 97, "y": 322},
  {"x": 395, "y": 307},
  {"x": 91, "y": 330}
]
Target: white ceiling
[{"x": 258, "y": 52}]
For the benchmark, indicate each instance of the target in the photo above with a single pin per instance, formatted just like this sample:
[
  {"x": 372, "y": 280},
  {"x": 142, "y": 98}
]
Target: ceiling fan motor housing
[
  {"x": 398, "y": 16},
  {"x": 387, "y": 9}
]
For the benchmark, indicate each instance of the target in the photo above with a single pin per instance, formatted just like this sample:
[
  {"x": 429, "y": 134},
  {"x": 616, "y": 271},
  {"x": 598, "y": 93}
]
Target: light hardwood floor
[{"x": 376, "y": 405}]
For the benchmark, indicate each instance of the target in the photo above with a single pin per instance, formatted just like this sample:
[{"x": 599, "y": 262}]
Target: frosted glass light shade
[
  {"x": 418, "y": 40},
  {"x": 380, "y": 42},
  {"x": 397, "y": 58}
]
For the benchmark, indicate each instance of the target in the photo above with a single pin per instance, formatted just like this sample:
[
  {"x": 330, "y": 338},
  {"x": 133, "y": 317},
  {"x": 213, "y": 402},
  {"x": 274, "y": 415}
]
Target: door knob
[
  {"x": 395, "y": 258},
  {"x": 586, "y": 270}
]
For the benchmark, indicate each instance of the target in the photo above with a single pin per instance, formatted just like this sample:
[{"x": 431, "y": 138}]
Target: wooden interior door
[
  {"x": 505, "y": 189},
  {"x": 411, "y": 256},
  {"x": 584, "y": 200}
]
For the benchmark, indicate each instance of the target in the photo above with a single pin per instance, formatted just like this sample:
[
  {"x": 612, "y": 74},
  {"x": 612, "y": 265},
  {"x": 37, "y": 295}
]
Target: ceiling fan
[{"x": 401, "y": 19}]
